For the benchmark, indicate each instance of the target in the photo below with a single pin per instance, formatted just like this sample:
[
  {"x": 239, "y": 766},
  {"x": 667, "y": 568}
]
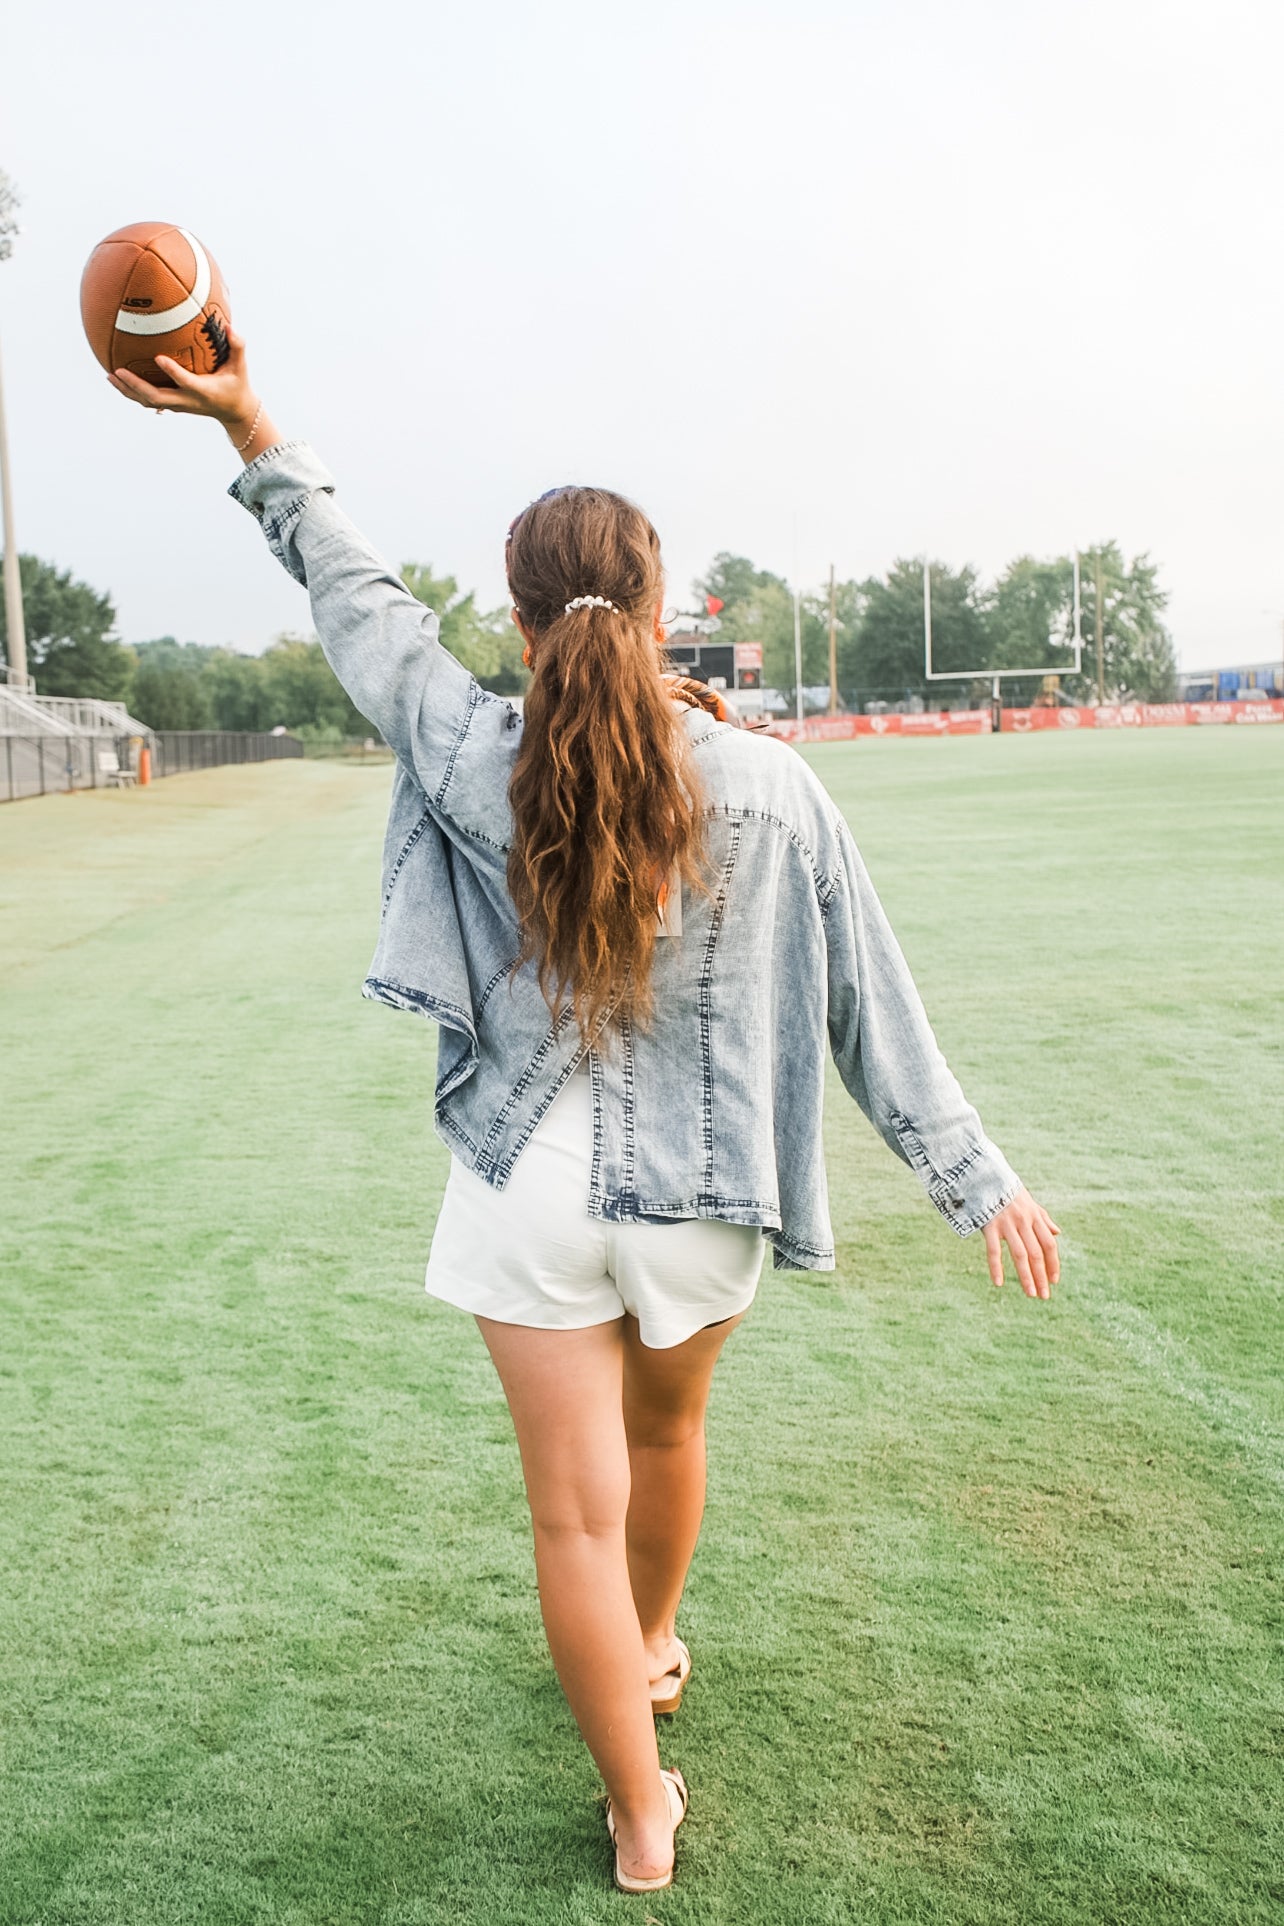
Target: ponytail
[{"x": 606, "y": 812}]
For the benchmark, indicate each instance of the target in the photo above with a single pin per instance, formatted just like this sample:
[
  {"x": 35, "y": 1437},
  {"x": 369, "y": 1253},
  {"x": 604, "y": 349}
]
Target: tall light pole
[
  {"x": 16, "y": 643},
  {"x": 798, "y": 681}
]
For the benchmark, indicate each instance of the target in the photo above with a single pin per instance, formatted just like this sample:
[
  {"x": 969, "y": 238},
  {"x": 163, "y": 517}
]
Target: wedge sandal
[
  {"x": 676, "y": 1787},
  {"x": 673, "y": 1684}
]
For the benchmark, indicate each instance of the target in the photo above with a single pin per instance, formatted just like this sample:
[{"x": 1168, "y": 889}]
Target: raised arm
[
  {"x": 890, "y": 1061},
  {"x": 381, "y": 642}
]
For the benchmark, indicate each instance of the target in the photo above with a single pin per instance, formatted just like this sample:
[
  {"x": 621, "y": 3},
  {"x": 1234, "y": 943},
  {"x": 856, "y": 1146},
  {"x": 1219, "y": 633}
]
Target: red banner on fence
[
  {"x": 1142, "y": 715},
  {"x": 935, "y": 722},
  {"x": 977, "y": 722}
]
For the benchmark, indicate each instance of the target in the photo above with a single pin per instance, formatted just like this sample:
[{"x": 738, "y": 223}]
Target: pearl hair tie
[{"x": 590, "y": 602}]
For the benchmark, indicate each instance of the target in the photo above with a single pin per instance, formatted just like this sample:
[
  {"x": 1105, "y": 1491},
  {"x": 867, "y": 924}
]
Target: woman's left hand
[{"x": 1031, "y": 1236}]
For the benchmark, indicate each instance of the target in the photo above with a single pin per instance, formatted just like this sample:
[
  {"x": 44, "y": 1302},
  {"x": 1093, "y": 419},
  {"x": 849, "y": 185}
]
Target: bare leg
[
  {"x": 665, "y": 1395},
  {"x": 564, "y": 1389}
]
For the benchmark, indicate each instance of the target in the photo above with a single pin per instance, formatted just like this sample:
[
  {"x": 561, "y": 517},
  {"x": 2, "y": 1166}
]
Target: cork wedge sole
[
  {"x": 666, "y": 1693},
  {"x": 676, "y": 1786}
]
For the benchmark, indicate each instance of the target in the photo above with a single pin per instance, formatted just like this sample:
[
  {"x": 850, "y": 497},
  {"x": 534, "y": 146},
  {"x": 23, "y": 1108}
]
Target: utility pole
[
  {"x": 1101, "y": 652},
  {"x": 798, "y": 683},
  {"x": 833, "y": 648},
  {"x": 16, "y": 643}
]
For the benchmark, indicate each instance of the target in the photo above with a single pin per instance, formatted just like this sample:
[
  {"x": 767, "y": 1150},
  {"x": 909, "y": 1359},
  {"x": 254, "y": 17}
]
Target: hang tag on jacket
[{"x": 670, "y": 901}]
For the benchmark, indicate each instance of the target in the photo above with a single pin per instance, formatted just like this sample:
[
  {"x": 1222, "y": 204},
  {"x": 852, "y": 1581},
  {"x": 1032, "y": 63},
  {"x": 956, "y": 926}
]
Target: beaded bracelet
[{"x": 254, "y": 429}]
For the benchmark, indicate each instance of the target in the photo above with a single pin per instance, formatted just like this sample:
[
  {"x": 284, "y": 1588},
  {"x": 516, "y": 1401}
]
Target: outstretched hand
[
  {"x": 224, "y": 396},
  {"x": 1031, "y": 1237}
]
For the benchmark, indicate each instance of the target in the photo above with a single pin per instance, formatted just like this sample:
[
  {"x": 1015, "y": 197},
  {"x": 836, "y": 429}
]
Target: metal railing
[
  {"x": 90, "y": 715},
  {"x": 45, "y": 764},
  {"x": 22, "y": 715}
]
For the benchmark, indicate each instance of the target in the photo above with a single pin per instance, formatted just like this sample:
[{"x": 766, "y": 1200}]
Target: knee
[
  {"x": 596, "y": 1512},
  {"x": 664, "y": 1430},
  {"x": 562, "y": 1528}
]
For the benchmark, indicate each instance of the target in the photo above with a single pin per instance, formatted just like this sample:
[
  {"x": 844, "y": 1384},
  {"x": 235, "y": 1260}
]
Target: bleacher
[{"x": 63, "y": 742}]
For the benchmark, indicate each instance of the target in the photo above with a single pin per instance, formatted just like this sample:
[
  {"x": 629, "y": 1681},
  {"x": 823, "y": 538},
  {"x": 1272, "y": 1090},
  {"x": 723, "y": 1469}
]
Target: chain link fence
[
  {"x": 175, "y": 750},
  {"x": 47, "y": 765}
]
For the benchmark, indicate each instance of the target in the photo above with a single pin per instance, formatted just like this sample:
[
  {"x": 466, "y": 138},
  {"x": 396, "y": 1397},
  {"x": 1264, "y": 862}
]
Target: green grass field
[{"x": 987, "y": 1615}]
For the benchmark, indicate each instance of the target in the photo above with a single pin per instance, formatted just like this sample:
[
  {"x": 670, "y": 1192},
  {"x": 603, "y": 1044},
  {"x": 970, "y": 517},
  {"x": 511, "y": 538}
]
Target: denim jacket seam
[
  {"x": 942, "y": 1180},
  {"x": 959, "y": 1169},
  {"x": 446, "y": 1122},
  {"x": 396, "y": 868},
  {"x": 274, "y": 526},
  {"x": 480, "y": 836},
  {"x": 743, "y": 812},
  {"x": 244, "y": 482},
  {"x": 489, "y": 698},
  {"x": 831, "y": 885},
  {"x": 493, "y": 985},
  {"x": 265, "y": 459},
  {"x": 786, "y": 1241},
  {"x": 522, "y": 1085},
  {"x": 425, "y": 1001},
  {"x": 706, "y": 1199},
  {"x": 912, "y": 1144},
  {"x": 800, "y": 1244},
  {"x": 503, "y": 1167},
  {"x": 464, "y": 726},
  {"x": 595, "y": 1166},
  {"x": 628, "y": 1158},
  {"x": 705, "y": 1003},
  {"x": 977, "y": 1219}
]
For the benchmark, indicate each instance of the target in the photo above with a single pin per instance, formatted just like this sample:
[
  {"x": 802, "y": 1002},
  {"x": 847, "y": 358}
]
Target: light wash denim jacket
[{"x": 715, "y": 1110}]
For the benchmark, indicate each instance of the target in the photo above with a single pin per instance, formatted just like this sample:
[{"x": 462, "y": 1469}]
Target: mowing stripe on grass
[
  {"x": 987, "y": 1616},
  {"x": 1162, "y": 1358}
]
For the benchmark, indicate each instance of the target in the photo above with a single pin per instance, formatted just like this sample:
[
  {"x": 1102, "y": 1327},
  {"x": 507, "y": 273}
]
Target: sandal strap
[
  {"x": 672, "y": 1777},
  {"x": 682, "y": 1670}
]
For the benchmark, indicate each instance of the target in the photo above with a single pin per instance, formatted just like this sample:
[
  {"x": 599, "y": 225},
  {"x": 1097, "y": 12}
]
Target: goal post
[{"x": 996, "y": 676}]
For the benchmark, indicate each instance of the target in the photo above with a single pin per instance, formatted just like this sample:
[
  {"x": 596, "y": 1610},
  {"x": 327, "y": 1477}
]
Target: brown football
[{"x": 152, "y": 289}]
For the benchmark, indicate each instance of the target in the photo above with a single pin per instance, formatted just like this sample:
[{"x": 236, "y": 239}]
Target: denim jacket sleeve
[
  {"x": 891, "y": 1063},
  {"x": 381, "y": 642}
]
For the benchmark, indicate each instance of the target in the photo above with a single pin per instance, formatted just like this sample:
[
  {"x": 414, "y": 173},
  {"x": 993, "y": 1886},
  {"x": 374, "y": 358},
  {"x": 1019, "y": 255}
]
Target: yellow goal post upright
[{"x": 996, "y": 675}]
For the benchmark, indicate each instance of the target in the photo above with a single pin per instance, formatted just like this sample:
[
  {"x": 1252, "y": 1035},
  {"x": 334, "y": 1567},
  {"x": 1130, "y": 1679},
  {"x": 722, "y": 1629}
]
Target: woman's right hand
[{"x": 224, "y": 396}]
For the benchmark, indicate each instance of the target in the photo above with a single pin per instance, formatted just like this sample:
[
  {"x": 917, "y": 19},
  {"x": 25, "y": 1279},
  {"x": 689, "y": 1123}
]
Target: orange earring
[{"x": 526, "y": 655}]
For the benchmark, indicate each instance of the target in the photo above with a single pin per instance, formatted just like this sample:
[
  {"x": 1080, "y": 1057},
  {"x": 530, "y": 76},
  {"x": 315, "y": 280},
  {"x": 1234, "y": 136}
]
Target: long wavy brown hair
[{"x": 606, "y": 808}]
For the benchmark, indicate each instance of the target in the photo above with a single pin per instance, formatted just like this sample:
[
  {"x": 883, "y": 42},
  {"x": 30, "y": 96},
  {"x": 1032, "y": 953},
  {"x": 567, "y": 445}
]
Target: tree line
[
  {"x": 1024, "y": 620},
  {"x": 72, "y": 649}
]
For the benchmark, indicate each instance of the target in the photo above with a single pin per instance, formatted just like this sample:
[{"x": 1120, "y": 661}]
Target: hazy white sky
[{"x": 979, "y": 278}]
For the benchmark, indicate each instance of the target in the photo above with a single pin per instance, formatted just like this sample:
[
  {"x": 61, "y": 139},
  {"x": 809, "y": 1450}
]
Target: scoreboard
[{"x": 723, "y": 665}]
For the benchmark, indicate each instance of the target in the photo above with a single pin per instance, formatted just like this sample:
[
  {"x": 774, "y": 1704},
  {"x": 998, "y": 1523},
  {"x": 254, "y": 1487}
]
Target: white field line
[{"x": 1166, "y": 1360}]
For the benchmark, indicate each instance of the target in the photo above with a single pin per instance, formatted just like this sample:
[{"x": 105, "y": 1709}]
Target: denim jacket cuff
[
  {"x": 276, "y": 487},
  {"x": 974, "y": 1192}
]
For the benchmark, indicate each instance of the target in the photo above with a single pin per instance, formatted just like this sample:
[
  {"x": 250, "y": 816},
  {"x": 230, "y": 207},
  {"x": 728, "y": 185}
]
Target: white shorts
[{"x": 531, "y": 1254}]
